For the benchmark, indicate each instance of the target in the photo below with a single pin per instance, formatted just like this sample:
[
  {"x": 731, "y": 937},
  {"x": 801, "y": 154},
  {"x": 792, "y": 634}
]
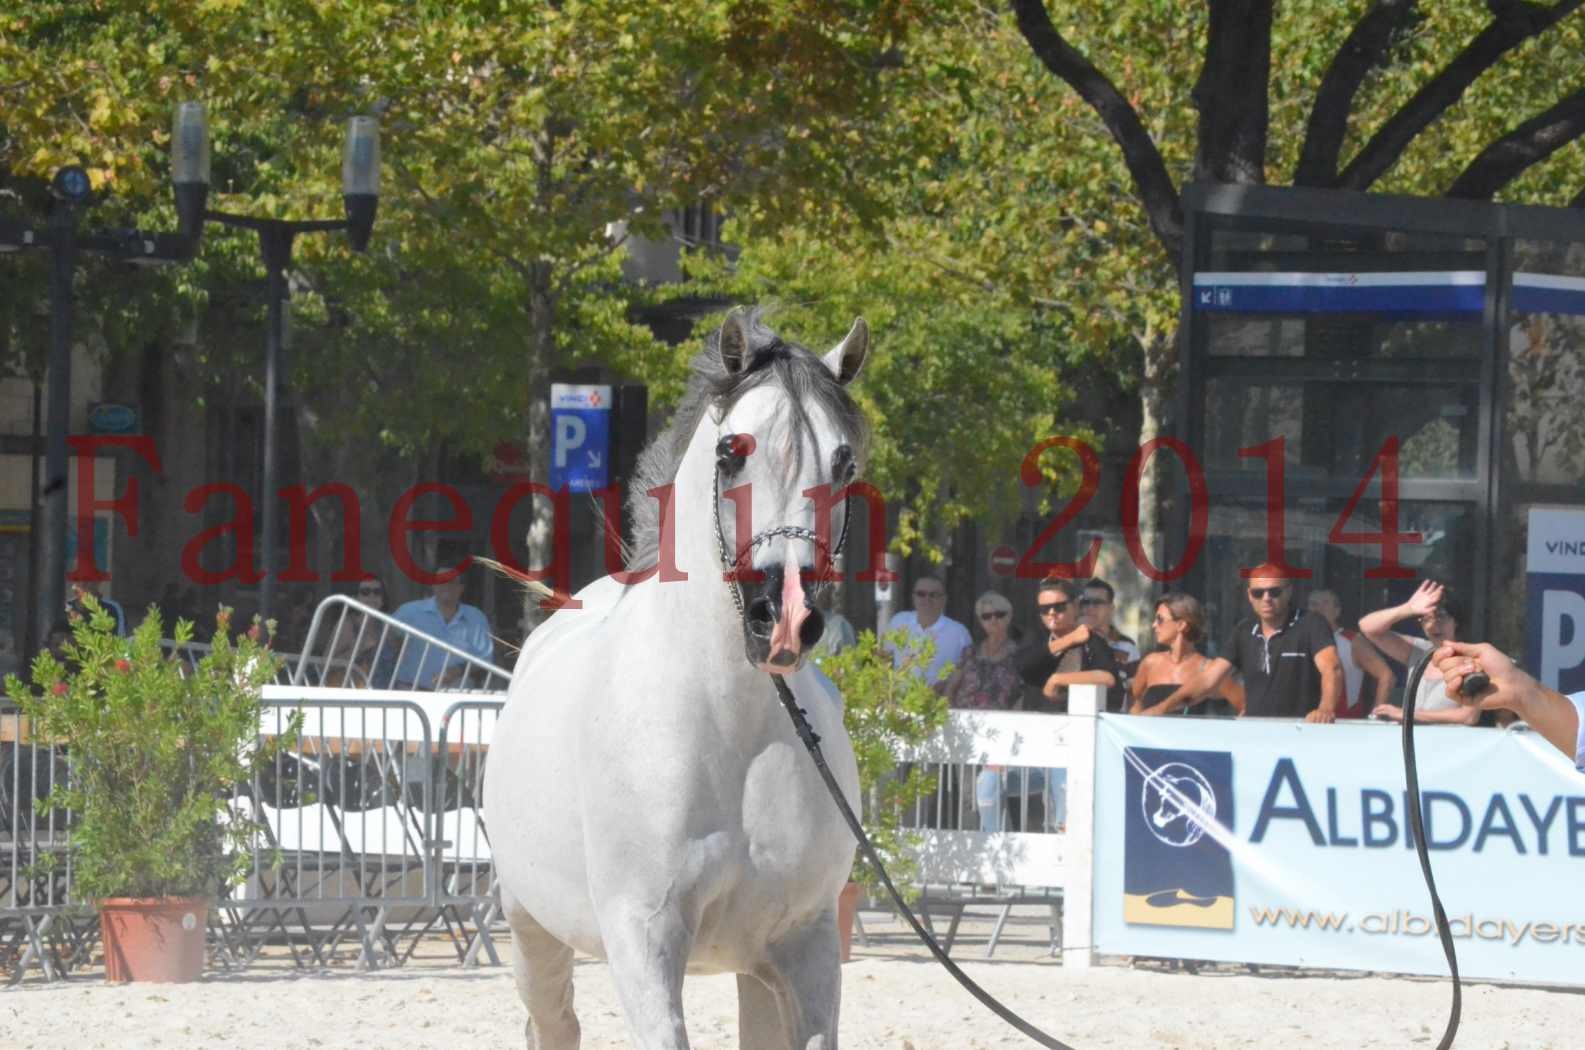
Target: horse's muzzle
[{"x": 780, "y": 624}]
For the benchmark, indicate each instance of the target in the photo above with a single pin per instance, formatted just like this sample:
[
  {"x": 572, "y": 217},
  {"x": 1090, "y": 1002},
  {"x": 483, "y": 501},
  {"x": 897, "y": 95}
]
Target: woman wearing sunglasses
[
  {"x": 1179, "y": 628},
  {"x": 988, "y": 677},
  {"x": 357, "y": 636},
  {"x": 988, "y": 681}
]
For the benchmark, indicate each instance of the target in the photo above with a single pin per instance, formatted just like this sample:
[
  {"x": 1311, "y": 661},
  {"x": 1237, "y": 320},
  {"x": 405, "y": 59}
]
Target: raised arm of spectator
[
  {"x": 1558, "y": 718},
  {"x": 1204, "y": 682},
  {"x": 1378, "y": 625}
]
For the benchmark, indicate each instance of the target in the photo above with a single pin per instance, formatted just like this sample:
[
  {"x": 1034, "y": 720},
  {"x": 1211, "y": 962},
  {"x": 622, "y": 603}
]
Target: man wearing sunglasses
[
  {"x": 928, "y": 619},
  {"x": 1286, "y": 655},
  {"x": 1072, "y": 654}
]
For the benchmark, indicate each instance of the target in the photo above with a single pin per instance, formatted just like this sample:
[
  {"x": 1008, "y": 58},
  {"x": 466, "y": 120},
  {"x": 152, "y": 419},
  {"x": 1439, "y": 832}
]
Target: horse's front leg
[
  {"x": 647, "y": 947},
  {"x": 804, "y": 972}
]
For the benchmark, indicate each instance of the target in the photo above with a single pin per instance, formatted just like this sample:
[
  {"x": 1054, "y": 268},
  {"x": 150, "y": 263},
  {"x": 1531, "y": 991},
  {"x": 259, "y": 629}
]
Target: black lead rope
[
  {"x": 811, "y": 741},
  {"x": 1412, "y": 777}
]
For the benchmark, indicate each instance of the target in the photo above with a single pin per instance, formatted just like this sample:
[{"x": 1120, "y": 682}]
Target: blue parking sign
[{"x": 580, "y": 437}]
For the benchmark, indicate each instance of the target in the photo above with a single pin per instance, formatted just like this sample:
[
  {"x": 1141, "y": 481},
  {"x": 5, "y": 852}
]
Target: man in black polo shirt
[
  {"x": 1286, "y": 655},
  {"x": 1070, "y": 654}
]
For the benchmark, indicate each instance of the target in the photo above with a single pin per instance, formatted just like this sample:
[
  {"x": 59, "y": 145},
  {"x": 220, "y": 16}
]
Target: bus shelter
[{"x": 1337, "y": 347}]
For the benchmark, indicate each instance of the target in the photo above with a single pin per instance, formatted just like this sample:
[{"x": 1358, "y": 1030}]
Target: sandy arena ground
[{"x": 893, "y": 997}]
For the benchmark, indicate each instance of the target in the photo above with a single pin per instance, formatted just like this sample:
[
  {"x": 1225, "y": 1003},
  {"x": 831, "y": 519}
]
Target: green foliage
[
  {"x": 1010, "y": 272},
  {"x": 888, "y": 709},
  {"x": 157, "y": 750},
  {"x": 515, "y": 138}
]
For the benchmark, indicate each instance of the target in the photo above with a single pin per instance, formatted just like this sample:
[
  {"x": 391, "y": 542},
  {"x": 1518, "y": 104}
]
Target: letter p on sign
[
  {"x": 1562, "y": 634},
  {"x": 571, "y": 433}
]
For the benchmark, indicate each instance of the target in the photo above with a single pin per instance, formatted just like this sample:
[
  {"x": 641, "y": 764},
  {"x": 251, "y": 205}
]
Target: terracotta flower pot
[
  {"x": 847, "y": 909},
  {"x": 153, "y": 938}
]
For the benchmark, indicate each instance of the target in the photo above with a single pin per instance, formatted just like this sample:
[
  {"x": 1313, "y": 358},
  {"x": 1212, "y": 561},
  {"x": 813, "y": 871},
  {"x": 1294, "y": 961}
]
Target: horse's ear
[
  {"x": 848, "y": 357},
  {"x": 732, "y": 341}
]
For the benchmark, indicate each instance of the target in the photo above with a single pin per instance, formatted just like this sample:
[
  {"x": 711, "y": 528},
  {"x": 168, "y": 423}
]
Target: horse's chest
[{"x": 786, "y": 814}]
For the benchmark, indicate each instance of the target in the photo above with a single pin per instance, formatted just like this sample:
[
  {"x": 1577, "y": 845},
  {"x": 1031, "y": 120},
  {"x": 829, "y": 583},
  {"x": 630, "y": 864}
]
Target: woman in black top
[{"x": 1179, "y": 627}]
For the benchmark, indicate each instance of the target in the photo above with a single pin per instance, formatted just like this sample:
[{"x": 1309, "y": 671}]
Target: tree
[
  {"x": 516, "y": 137},
  {"x": 977, "y": 359}
]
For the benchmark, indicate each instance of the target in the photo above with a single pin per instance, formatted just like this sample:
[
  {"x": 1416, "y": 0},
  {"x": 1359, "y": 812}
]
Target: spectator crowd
[{"x": 1285, "y": 658}]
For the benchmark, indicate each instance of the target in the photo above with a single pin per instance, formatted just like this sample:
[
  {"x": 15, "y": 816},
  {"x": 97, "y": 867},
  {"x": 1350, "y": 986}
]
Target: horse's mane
[{"x": 771, "y": 360}]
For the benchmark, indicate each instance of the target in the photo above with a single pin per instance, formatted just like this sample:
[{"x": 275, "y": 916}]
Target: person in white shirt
[
  {"x": 1559, "y": 719},
  {"x": 927, "y": 620},
  {"x": 1361, "y": 663}
]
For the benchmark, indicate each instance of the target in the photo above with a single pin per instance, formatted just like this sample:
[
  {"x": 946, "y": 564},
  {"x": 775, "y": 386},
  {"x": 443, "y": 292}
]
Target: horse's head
[{"x": 788, "y": 439}]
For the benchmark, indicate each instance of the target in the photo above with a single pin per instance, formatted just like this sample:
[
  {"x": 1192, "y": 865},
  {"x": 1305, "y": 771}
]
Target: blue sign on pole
[
  {"x": 580, "y": 437},
  {"x": 1555, "y": 597}
]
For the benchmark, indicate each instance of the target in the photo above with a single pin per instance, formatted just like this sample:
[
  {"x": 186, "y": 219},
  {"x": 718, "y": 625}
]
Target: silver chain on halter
[{"x": 797, "y": 532}]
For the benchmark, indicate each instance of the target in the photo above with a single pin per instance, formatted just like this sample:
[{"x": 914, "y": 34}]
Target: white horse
[{"x": 647, "y": 798}]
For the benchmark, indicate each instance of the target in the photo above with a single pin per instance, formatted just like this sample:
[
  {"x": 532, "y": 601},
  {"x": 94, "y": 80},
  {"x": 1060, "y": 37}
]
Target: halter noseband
[{"x": 759, "y": 539}]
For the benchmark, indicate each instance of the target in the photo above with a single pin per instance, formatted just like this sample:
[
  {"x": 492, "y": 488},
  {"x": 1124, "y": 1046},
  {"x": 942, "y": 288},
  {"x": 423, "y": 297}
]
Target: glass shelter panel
[
  {"x": 1544, "y": 426},
  {"x": 1336, "y": 430}
]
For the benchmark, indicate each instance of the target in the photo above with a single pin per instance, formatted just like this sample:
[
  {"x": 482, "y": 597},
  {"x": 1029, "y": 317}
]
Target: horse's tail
[{"x": 511, "y": 572}]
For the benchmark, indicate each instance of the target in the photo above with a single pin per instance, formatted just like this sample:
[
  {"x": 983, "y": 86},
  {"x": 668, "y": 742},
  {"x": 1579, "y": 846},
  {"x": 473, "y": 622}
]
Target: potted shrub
[
  {"x": 887, "y": 708},
  {"x": 156, "y": 751}
]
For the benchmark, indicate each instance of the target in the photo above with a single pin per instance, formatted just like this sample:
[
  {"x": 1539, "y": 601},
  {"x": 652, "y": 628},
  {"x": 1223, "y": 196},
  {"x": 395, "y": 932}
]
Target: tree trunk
[
  {"x": 541, "y": 539},
  {"x": 1156, "y": 393}
]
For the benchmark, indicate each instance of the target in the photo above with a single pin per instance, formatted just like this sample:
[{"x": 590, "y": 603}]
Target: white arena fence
[{"x": 1256, "y": 841}]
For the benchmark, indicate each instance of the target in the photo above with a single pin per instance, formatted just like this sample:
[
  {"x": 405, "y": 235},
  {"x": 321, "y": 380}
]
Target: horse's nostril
[
  {"x": 813, "y": 627},
  {"x": 785, "y": 658},
  {"x": 763, "y": 612}
]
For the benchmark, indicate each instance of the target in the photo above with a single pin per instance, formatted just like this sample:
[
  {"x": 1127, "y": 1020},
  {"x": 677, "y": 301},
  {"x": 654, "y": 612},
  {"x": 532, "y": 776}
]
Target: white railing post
[{"x": 1078, "y": 888}]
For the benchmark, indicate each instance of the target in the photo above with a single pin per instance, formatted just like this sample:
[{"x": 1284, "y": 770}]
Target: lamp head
[
  {"x": 72, "y": 185},
  {"x": 190, "y": 167},
  {"x": 360, "y": 178}
]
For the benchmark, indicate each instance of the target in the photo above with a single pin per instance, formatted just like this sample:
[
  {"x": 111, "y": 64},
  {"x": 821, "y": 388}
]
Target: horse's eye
[
  {"x": 842, "y": 466},
  {"x": 731, "y": 451}
]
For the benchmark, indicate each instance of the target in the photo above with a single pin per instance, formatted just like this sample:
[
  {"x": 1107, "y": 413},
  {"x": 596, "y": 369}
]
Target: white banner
[{"x": 1280, "y": 842}]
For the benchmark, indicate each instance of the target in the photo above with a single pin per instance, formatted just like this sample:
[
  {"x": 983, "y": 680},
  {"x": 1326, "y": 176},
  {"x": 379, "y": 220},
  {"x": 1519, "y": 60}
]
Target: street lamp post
[
  {"x": 71, "y": 190},
  {"x": 360, "y": 189}
]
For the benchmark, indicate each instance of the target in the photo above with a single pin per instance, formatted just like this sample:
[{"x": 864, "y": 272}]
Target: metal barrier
[
  {"x": 465, "y": 883},
  {"x": 371, "y": 831},
  {"x": 40, "y": 921},
  {"x": 344, "y": 847},
  {"x": 368, "y": 835},
  {"x": 352, "y": 645}
]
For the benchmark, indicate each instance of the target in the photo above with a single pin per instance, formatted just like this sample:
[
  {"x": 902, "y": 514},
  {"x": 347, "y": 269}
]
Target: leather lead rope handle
[
  {"x": 811, "y": 741},
  {"x": 1412, "y": 779}
]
